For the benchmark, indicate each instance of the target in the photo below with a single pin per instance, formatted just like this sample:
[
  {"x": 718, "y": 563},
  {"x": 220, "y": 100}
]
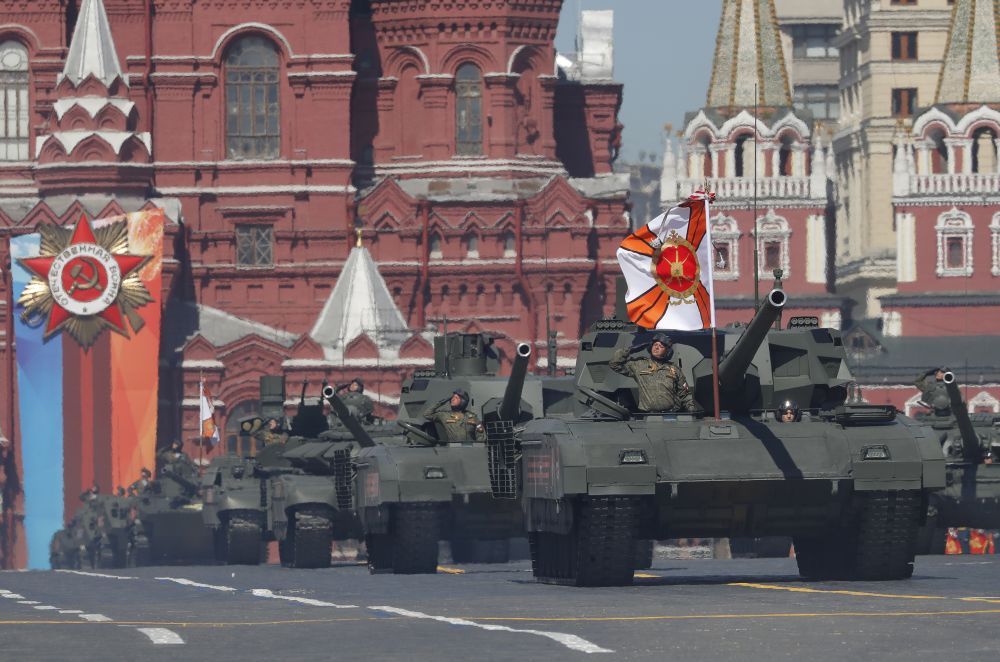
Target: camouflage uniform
[
  {"x": 662, "y": 386},
  {"x": 360, "y": 405},
  {"x": 933, "y": 392},
  {"x": 459, "y": 426}
]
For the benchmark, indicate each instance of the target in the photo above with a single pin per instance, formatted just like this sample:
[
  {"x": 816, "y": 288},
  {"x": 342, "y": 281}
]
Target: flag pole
[
  {"x": 201, "y": 439},
  {"x": 715, "y": 342}
]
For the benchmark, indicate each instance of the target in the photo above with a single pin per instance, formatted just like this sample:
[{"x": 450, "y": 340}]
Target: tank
[
  {"x": 166, "y": 520},
  {"x": 414, "y": 491},
  {"x": 296, "y": 491},
  {"x": 849, "y": 483},
  {"x": 970, "y": 444}
]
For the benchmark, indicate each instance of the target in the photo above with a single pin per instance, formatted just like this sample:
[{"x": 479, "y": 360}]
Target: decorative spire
[
  {"x": 971, "y": 68},
  {"x": 92, "y": 51},
  {"x": 748, "y": 57},
  {"x": 360, "y": 304},
  {"x": 668, "y": 178}
]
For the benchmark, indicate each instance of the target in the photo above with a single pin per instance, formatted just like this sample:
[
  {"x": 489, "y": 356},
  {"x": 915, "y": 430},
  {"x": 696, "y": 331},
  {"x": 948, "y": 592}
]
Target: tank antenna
[{"x": 756, "y": 238}]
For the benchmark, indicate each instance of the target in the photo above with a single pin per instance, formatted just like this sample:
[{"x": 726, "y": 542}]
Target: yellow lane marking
[
  {"x": 646, "y": 575},
  {"x": 863, "y": 594},
  {"x": 194, "y": 624},
  {"x": 691, "y": 617},
  {"x": 450, "y": 571}
]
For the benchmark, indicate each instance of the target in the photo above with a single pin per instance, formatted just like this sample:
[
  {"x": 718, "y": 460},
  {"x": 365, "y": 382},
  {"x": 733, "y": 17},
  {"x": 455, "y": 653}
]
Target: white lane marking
[
  {"x": 45, "y": 607},
  {"x": 188, "y": 582},
  {"x": 96, "y": 574},
  {"x": 95, "y": 618},
  {"x": 70, "y": 611},
  {"x": 3, "y": 590},
  {"x": 570, "y": 641},
  {"x": 161, "y": 635},
  {"x": 28, "y": 602},
  {"x": 267, "y": 593},
  {"x": 13, "y": 596}
]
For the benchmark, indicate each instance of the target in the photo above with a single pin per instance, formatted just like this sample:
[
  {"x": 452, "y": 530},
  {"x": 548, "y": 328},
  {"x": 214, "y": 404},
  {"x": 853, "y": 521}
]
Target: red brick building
[{"x": 478, "y": 171}]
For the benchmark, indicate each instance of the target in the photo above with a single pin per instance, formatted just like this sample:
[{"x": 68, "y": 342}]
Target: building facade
[
  {"x": 768, "y": 166},
  {"x": 343, "y": 178}
]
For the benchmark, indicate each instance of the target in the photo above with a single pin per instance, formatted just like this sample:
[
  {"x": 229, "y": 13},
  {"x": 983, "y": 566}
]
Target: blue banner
[{"x": 40, "y": 396}]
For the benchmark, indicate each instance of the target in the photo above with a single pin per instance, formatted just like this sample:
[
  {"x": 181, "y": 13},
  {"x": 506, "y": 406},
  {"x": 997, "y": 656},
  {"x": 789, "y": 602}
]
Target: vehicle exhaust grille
[{"x": 503, "y": 458}]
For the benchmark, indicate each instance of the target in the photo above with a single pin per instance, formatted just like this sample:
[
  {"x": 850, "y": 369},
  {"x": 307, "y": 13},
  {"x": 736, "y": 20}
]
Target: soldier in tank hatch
[
  {"x": 172, "y": 453},
  {"x": 145, "y": 478},
  {"x": 933, "y": 392},
  {"x": 789, "y": 412},
  {"x": 91, "y": 492},
  {"x": 452, "y": 415},
  {"x": 662, "y": 386},
  {"x": 353, "y": 395}
]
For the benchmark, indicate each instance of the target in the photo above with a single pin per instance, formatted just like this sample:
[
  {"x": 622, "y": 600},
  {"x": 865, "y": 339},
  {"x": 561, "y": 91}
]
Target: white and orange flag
[
  {"x": 209, "y": 430},
  {"x": 667, "y": 265}
]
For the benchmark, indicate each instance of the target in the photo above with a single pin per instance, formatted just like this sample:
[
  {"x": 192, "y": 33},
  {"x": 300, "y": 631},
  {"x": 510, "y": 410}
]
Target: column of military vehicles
[{"x": 572, "y": 464}]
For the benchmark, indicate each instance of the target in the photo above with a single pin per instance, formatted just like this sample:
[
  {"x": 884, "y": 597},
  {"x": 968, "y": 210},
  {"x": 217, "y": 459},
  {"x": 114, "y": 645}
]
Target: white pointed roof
[
  {"x": 970, "y": 72},
  {"x": 92, "y": 50},
  {"x": 360, "y": 304}
]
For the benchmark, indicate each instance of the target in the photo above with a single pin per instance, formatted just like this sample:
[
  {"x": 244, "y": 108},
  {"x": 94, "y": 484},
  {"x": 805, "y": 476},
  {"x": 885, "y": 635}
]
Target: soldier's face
[
  {"x": 354, "y": 388},
  {"x": 658, "y": 350},
  {"x": 939, "y": 375},
  {"x": 456, "y": 400},
  {"x": 787, "y": 416}
]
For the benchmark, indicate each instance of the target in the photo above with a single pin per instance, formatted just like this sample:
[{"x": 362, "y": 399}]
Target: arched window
[
  {"x": 509, "y": 247},
  {"x": 472, "y": 245},
  {"x": 468, "y": 111},
  {"x": 746, "y": 149},
  {"x": 785, "y": 157},
  {"x": 435, "y": 245},
  {"x": 13, "y": 102},
  {"x": 984, "y": 151},
  {"x": 939, "y": 152},
  {"x": 253, "y": 117}
]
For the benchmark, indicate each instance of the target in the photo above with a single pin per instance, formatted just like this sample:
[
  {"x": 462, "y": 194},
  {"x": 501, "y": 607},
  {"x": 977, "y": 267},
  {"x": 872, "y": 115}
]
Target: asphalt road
[{"x": 680, "y": 610}]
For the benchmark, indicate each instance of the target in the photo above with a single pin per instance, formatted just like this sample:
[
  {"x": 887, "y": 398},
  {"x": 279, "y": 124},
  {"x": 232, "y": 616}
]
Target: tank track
[
  {"x": 880, "y": 544},
  {"x": 379, "y": 549},
  {"x": 416, "y": 529},
  {"x": 599, "y": 551},
  {"x": 241, "y": 533},
  {"x": 644, "y": 554},
  {"x": 480, "y": 551},
  {"x": 312, "y": 538}
]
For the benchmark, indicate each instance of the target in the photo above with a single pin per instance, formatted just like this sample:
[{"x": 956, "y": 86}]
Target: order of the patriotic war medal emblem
[
  {"x": 84, "y": 281},
  {"x": 675, "y": 268}
]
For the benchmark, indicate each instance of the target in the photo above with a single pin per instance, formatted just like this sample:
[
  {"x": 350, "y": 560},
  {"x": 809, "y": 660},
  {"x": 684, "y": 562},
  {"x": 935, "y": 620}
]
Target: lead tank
[
  {"x": 416, "y": 490},
  {"x": 970, "y": 444},
  {"x": 849, "y": 483}
]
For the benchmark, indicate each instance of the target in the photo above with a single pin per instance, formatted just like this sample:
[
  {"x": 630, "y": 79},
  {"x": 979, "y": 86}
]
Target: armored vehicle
[
  {"x": 416, "y": 490},
  {"x": 295, "y": 489},
  {"x": 849, "y": 483},
  {"x": 970, "y": 444},
  {"x": 165, "y": 519},
  {"x": 96, "y": 537}
]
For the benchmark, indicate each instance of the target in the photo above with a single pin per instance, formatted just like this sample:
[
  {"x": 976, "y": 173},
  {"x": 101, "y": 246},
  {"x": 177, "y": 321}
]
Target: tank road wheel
[
  {"x": 379, "y": 546},
  {"x": 416, "y": 528},
  {"x": 599, "y": 551},
  {"x": 312, "y": 537},
  {"x": 644, "y": 554},
  {"x": 887, "y": 535},
  {"x": 241, "y": 537}
]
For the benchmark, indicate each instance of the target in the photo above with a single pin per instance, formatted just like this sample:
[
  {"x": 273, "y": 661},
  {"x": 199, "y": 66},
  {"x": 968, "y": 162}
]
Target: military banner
[{"x": 668, "y": 268}]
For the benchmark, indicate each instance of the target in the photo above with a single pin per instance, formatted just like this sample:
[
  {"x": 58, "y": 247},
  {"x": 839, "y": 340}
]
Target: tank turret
[
  {"x": 510, "y": 406},
  {"x": 733, "y": 367},
  {"x": 465, "y": 355},
  {"x": 350, "y": 422},
  {"x": 971, "y": 446}
]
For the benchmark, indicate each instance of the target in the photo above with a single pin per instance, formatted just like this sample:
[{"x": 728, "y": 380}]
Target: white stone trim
[
  {"x": 251, "y": 26},
  {"x": 816, "y": 265},
  {"x": 725, "y": 230},
  {"x": 995, "y": 239},
  {"x": 954, "y": 223},
  {"x": 253, "y": 190},
  {"x": 770, "y": 226},
  {"x": 906, "y": 247},
  {"x": 984, "y": 399},
  {"x": 892, "y": 323},
  {"x": 831, "y": 319}
]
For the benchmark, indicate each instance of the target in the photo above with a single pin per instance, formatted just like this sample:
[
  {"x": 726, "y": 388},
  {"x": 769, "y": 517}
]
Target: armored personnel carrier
[
  {"x": 295, "y": 490},
  {"x": 97, "y": 536},
  {"x": 165, "y": 524},
  {"x": 970, "y": 444},
  {"x": 416, "y": 490},
  {"x": 849, "y": 483}
]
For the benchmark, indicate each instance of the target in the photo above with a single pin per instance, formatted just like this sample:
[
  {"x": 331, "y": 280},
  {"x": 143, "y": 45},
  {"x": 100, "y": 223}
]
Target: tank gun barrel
[
  {"x": 735, "y": 364},
  {"x": 510, "y": 406},
  {"x": 971, "y": 450},
  {"x": 343, "y": 413}
]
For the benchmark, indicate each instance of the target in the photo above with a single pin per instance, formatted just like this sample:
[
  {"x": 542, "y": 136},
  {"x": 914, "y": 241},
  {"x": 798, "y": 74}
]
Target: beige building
[
  {"x": 890, "y": 58},
  {"x": 808, "y": 32}
]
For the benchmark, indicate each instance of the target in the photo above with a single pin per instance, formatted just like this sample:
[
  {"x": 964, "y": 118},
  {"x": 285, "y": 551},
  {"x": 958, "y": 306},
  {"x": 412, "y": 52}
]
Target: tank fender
[
  {"x": 910, "y": 463},
  {"x": 300, "y": 490}
]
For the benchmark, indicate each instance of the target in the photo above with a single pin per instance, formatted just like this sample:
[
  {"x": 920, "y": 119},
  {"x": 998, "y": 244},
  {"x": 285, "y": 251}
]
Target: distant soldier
[
  {"x": 271, "y": 433},
  {"x": 145, "y": 478},
  {"x": 353, "y": 396},
  {"x": 459, "y": 424},
  {"x": 172, "y": 453},
  {"x": 789, "y": 412},
  {"x": 933, "y": 392},
  {"x": 662, "y": 386},
  {"x": 91, "y": 492}
]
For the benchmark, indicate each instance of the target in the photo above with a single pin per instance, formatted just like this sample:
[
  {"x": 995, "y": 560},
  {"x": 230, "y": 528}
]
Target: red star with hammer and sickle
[{"x": 83, "y": 234}]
